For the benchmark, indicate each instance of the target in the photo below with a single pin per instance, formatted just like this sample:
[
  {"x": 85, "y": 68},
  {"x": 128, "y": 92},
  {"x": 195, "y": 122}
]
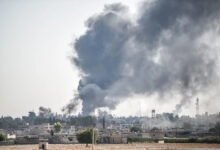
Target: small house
[{"x": 43, "y": 144}]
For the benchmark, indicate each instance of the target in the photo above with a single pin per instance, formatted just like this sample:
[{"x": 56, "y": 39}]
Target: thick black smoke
[
  {"x": 160, "y": 52},
  {"x": 44, "y": 112}
]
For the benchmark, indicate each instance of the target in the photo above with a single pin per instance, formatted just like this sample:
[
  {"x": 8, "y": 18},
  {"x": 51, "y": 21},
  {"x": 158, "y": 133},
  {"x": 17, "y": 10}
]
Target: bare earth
[{"x": 137, "y": 146}]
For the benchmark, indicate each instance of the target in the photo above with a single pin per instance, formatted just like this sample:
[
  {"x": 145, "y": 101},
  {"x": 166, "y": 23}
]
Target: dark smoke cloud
[
  {"x": 162, "y": 52},
  {"x": 44, "y": 112}
]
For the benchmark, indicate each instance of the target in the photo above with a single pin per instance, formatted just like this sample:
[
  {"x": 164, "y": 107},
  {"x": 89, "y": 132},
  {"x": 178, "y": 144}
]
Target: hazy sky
[{"x": 35, "y": 42}]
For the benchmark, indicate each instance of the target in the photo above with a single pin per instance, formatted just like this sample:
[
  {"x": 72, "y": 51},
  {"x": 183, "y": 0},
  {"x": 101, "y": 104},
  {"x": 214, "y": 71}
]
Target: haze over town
[{"x": 109, "y": 74}]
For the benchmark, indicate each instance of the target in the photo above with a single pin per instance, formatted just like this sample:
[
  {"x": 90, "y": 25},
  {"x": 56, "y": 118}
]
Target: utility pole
[
  {"x": 93, "y": 138},
  {"x": 197, "y": 107}
]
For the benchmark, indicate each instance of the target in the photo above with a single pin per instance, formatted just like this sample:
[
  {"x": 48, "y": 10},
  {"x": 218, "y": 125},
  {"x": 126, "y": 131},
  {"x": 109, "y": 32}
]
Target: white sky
[{"x": 35, "y": 42}]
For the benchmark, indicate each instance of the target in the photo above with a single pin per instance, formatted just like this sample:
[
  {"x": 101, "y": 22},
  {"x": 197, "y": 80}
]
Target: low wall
[
  {"x": 62, "y": 140},
  {"x": 25, "y": 140},
  {"x": 7, "y": 142}
]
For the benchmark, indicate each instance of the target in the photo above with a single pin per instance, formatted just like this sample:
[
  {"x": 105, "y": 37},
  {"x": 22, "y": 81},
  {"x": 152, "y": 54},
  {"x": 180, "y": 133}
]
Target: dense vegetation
[
  {"x": 141, "y": 140},
  {"x": 2, "y": 136},
  {"x": 135, "y": 129},
  {"x": 193, "y": 140},
  {"x": 45, "y": 116},
  {"x": 86, "y": 136},
  {"x": 57, "y": 127},
  {"x": 10, "y": 123}
]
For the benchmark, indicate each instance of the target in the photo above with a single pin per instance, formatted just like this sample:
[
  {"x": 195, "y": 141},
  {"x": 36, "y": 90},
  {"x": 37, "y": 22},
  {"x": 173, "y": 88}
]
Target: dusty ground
[{"x": 145, "y": 146}]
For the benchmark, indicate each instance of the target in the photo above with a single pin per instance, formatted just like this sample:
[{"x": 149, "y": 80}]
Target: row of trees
[
  {"x": 10, "y": 123},
  {"x": 47, "y": 116}
]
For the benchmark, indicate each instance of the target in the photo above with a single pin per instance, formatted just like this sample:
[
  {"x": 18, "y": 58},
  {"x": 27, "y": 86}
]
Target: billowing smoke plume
[
  {"x": 165, "y": 50},
  {"x": 44, "y": 112}
]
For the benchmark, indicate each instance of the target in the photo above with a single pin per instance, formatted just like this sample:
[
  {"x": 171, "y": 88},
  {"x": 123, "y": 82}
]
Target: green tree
[
  {"x": 86, "y": 136},
  {"x": 135, "y": 129},
  {"x": 2, "y": 136},
  {"x": 57, "y": 126}
]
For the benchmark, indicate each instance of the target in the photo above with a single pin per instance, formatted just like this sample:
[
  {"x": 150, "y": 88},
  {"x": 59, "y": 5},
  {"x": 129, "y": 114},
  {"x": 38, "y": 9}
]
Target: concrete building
[
  {"x": 43, "y": 144},
  {"x": 40, "y": 129}
]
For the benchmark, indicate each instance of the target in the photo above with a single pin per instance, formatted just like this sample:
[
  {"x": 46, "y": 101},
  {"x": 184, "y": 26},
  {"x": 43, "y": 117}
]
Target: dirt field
[{"x": 146, "y": 146}]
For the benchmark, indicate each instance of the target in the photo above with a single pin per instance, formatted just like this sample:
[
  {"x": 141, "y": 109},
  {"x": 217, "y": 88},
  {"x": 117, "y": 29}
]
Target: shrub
[
  {"x": 141, "y": 140},
  {"x": 86, "y": 136},
  {"x": 135, "y": 129},
  {"x": 2, "y": 136},
  {"x": 177, "y": 140}
]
